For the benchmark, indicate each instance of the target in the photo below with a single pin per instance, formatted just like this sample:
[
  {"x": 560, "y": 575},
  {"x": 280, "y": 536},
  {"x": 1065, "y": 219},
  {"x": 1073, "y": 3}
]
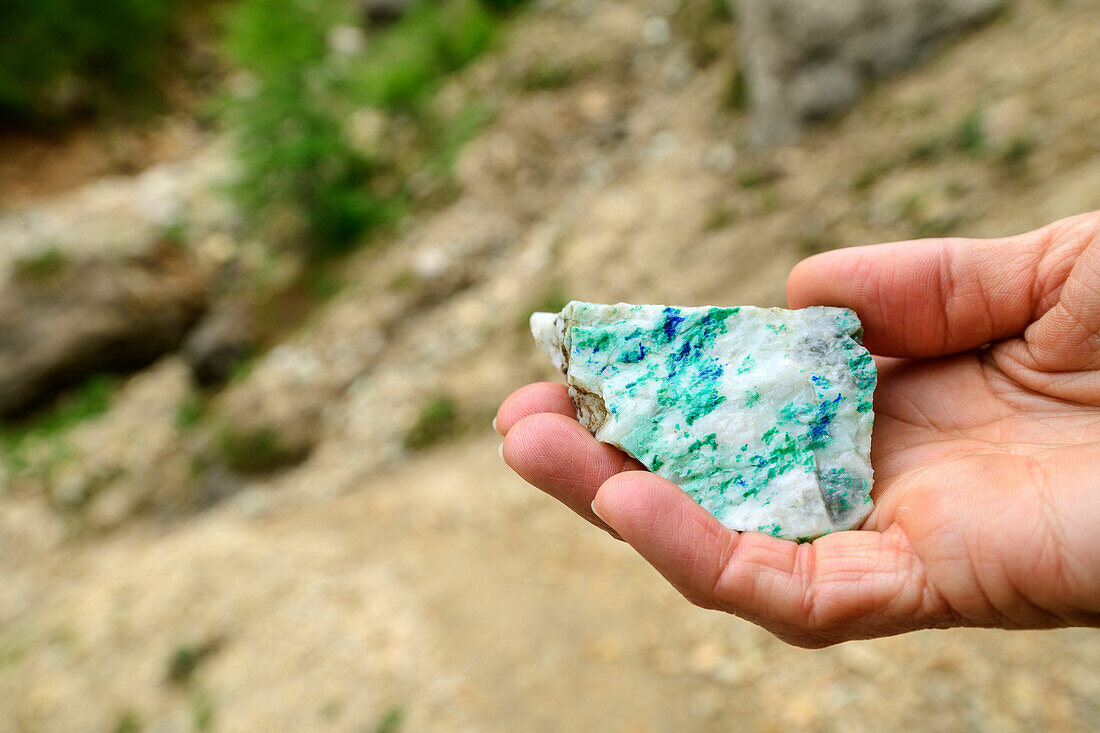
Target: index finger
[
  {"x": 533, "y": 399},
  {"x": 936, "y": 297}
]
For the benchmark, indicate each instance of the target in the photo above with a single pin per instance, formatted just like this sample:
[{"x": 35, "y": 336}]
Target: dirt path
[{"x": 449, "y": 590}]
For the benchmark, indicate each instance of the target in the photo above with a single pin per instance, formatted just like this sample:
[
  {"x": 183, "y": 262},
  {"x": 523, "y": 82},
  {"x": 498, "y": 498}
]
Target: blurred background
[{"x": 265, "y": 271}]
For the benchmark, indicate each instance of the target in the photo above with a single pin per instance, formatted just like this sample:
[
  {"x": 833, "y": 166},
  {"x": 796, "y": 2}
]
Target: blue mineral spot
[
  {"x": 632, "y": 357},
  {"x": 711, "y": 371},
  {"x": 673, "y": 319},
  {"x": 683, "y": 353}
]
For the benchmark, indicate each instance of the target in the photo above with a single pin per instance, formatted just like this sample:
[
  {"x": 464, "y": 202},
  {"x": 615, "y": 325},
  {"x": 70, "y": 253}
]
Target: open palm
[{"x": 986, "y": 452}]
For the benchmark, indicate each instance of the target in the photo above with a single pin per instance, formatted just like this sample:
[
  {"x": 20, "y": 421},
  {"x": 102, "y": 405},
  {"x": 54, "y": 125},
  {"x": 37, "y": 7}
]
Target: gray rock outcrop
[
  {"x": 810, "y": 59},
  {"x": 63, "y": 319}
]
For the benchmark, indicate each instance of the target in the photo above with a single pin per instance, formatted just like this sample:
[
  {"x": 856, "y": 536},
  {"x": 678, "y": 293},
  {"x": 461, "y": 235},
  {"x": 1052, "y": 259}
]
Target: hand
[{"x": 986, "y": 453}]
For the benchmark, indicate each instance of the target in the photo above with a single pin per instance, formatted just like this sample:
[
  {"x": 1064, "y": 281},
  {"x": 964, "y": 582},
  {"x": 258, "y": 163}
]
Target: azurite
[{"x": 761, "y": 415}]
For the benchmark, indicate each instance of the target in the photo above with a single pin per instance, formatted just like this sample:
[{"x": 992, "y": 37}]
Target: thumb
[
  {"x": 1059, "y": 354},
  {"x": 942, "y": 296}
]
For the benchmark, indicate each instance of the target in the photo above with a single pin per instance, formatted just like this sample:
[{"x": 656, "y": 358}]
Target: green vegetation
[
  {"x": 451, "y": 136},
  {"x": 815, "y": 243},
  {"x": 404, "y": 280},
  {"x": 190, "y": 411},
  {"x": 407, "y": 63},
  {"x": 255, "y": 451},
  {"x": 202, "y": 713},
  {"x": 970, "y": 134},
  {"x": 752, "y": 177},
  {"x": 40, "y": 266},
  {"x": 1018, "y": 150},
  {"x": 925, "y": 149},
  {"x": 737, "y": 92},
  {"x": 705, "y": 25},
  {"x": 552, "y": 300},
  {"x": 294, "y": 151},
  {"x": 391, "y": 721},
  {"x": 871, "y": 173},
  {"x": 128, "y": 722},
  {"x": 719, "y": 217},
  {"x": 42, "y": 433},
  {"x": 63, "y": 57},
  {"x": 723, "y": 9},
  {"x": 309, "y": 69},
  {"x": 547, "y": 77},
  {"x": 921, "y": 223},
  {"x": 323, "y": 283},
  {"x": 11, "y": 653},
  {"x": 185, "y": 660},
  {"x": 438, "y": 421}
]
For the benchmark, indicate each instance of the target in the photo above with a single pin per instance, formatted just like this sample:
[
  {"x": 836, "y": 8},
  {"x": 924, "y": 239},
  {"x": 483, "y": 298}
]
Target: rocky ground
[{"x": 330, "y": 542}]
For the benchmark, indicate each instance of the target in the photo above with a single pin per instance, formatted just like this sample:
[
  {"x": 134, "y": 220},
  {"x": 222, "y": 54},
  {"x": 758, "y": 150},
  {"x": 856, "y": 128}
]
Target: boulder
[
  {"x": 224, "y": 336},
  {"x": 65, "y": 318}
]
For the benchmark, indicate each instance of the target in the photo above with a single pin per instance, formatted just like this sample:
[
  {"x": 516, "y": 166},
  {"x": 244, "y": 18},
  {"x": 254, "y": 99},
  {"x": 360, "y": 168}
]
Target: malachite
[{"x": 762, "y": 415}]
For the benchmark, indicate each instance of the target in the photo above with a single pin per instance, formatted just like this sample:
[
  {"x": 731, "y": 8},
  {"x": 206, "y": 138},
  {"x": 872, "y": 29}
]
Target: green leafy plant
[
  {"x": 300, "y": 87},
  {"x": 970, "y": 134},
  {"x": 737, "y": 91},
  {"x": 42, "y": 265},
  {"x": 391, "y": 721},
  {"x": 59, "y": 57},
  {"x": 438, "y": 420},
  {"x": 256, "y": 451},
  {"x": 294, "y": 152}
]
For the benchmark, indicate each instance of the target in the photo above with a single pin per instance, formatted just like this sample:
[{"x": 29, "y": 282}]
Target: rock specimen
[{"x": 763, "y": 416}]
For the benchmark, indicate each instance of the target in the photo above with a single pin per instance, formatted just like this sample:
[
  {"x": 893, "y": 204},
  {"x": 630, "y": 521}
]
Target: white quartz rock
[{"x": 763, "y": 416}]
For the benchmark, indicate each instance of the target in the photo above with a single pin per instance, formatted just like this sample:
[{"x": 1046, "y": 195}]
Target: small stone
[
  {"x": 762, "y": 415},
  {"x": 656, "y": 31}
]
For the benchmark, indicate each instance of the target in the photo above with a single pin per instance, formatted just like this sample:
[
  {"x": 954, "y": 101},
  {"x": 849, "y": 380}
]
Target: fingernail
[
  {"x": 495, "y": 425},
  {"x": 500, "y": 452},
  {"x": 597, "y": 513}
]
